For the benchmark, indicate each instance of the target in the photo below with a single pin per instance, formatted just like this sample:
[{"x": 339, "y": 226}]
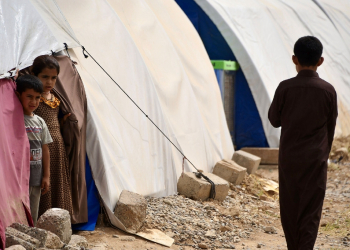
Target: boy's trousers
[{"x": 34, "y": 197}]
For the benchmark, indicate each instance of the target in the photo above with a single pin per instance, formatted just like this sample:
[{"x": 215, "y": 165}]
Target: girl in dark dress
[{"x": 46, "y": 68}]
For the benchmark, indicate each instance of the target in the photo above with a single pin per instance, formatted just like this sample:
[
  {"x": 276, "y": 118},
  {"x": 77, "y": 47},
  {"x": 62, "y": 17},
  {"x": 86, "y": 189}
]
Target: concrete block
[
  {"x": 199, "y": 189},
  {"x": 39, "y": 234},
  {"x": 57, "y": 221},
  {"x": 12, "y": 240},
  {"x": 22, "y": 236},
  {"x": 53, "y": 241},
  {"x": 246, "y": 160},
  {"x": 78, "y": 241},
  {"x": 15, "y": 247},
  {"x": 131, "y": 210},
  {"x": 269, "y": 156},
  {"x": 230, "y": 171}
]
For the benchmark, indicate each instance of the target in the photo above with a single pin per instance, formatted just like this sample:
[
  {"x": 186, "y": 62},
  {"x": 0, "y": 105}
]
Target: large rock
[
  {"x": 230, "y": 171},
  {"x": 131, "y": 210},
  {"x": 14, "y": 235},
  {"x": 45, "y": 238},
  {"x": 269, "y": 156},
  {"x": 39, "y": 234},
  {"x": 53, "y": 241},
  {"x": 57, "y": 221},
  {"x": 78, "y": 241},
  {"x": 12, "y": 240},
  {"x": 246, "y": 160},
  {"x": 199, "y": 189}
]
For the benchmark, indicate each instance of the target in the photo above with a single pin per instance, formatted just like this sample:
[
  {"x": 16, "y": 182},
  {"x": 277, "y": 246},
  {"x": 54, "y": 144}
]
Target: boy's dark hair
[
  {"x": 29, "y": 82},
  {"x": 308, "y": 50},
  {"x": 42, "y": 62}
]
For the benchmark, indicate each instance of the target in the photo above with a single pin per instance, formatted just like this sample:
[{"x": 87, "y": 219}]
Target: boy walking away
[
  {"x": 29, "y": 89},
  {"x": 306, "y": 108}
]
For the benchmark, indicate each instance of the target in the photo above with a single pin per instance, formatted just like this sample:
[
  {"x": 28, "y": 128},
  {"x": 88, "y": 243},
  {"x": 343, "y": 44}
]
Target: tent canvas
[
  {"x": 125, "y": 150},
  {"x": 261, "y": 35}
]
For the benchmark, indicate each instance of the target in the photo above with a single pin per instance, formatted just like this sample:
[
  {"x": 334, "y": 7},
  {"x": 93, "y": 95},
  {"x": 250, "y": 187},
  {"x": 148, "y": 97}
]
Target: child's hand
[{"x": 45, "y": 185}]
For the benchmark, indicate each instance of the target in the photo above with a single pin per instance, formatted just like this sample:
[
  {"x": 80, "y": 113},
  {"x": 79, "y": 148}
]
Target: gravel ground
[{"x": 247, "y": 219}]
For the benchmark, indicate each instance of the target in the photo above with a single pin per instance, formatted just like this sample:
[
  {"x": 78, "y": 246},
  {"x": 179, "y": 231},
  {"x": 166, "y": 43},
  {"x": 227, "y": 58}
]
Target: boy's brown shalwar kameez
[{"x": 306, "y": 108}]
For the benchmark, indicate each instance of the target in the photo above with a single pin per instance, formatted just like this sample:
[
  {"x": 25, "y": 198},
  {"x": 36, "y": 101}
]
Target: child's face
[
  {"x": 48, "y": 77},
  {"x": 30, "y": 100}
]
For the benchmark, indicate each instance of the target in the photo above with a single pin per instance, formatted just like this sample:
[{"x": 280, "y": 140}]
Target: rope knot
[{"x": 85, "y": 55}]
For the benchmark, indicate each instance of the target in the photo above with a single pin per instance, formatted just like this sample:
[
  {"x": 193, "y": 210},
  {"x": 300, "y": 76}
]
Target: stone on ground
[
  {"x": 202, "y": 246},
  {"x": 15, "y": 247},
  {"x": 131, "y": 210},
  {"x": 19, "y": 235},
  {"x": 225, "y": 229},
  {"x": 127, "y": 238},
  {"x": 199, "y": 189},
  {"x": 270, "y": 229},
  {"x": 230, "y": 171},
  {"x": 12, "y": 240},
  {"x": 39, "y": 234},
  {"x": 246, "y": 160},
  {"x": 53, "y": 241},
  {"x": 57, "y": 221},
  {"x": 78, "y": 241},
  {"x": 269, "y": 156}
]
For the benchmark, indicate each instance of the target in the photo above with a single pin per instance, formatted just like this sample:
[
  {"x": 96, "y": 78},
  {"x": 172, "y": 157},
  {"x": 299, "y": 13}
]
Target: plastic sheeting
[
  {"x": 93, "y": 202},
  {"x": 262, "y": 33},
  {"x": 28, "y": 29},
  {"x": 125, "y": 150}
]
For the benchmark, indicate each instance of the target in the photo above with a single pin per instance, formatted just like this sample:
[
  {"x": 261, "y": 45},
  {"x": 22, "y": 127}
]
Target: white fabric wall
[
  {"x": 199, "y": 71},
  {"x": 125, "y": 150},
  {"x": 312, "y": 20},
  {"x": 191, "y": 105},
  {"x": 338, "y": 11},
  {"x": 26, "y": 32},
  {"x": 262, "y": 33}
]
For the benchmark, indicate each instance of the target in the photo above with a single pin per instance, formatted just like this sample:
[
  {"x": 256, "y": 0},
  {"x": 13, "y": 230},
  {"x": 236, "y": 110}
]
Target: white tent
[
  {"x": 168, "y": 76},
  {"x": 262, "y": 33},
  {"x": 29, "y": 29}
]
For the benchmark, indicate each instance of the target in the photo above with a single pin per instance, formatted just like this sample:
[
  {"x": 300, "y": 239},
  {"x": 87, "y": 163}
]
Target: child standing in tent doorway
[
  {"x": 306, "y": 108},
  {"x": 46, "y": 68},
  {"x": 29, "y": 89}
]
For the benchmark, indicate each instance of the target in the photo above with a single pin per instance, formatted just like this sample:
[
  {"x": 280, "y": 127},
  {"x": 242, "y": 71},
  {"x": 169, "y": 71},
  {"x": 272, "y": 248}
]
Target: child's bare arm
[{"x": 45, "y": 183}]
